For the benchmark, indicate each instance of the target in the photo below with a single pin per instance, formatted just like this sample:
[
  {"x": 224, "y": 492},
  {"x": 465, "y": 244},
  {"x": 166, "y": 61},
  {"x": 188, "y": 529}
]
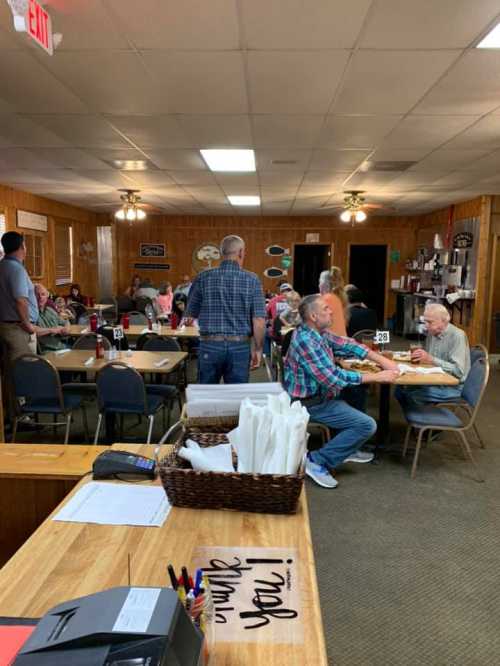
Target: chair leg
[
  {"x": 479, "y": 438},
  {"x": 68, "y": 426},
  {"x": 150, "y": 429},
  {"x": 98, "y": 429},
  {"x": 85, "y": 423},
  {"x": 469, "y": 454},
  {"x": 407, "y": 440},
  {"x": 417, "y": 452},
  {"x": 54, "y": 429},
  {"x": 14, "y": 429}
]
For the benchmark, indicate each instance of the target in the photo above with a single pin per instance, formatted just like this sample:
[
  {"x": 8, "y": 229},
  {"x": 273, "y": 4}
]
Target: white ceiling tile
[
  {"x": 85, "y": 25},
  {"x": 355, "y": 131},
  {"x": 108, "y": 155},
  {"x": 383, "y": 82},
  {"x": 371, "y": 180},
  {"x": 448, "y": 159},
  {"x": 153, "y": 131},
  {"x": 69, "y": 158},
  {"x": 177, "y": 159},
  {"x": 206, "y": 193},
  {"x": 22, "y": 158},
  {"x": 237, "y": 179},
  {"x": 337, "y": 160},
  {"x": 471, "y": 87},
  {"x": 295, "y": 24},
  {"x": 221, "y": 131},
  {"x": 289, "y": 160},
  {"x": 483, "y": 135},
  {"x": 276, "y": 194},
  {"x": 23, "y": 132},
  {"x": 109, "y": 178},
  {"x": 490, "y": 164},
  {"x": 426, "y": 24},
  {"x": 426, "y": 131},
  {"x": 193, "y": 177},
  {"x": 452, "y": 181},
  {"x": 321, "y": 182},
  {"x": 298, "y": 81},
  {"x": 384, "y": 154},
  {"x": 286, "y": 131},
  {"x": 199, "y": 82},
  {"x": 118, "y": 84},
  {"x": 150, "y": 178},
  {"x": 161, "y": 24},
  {"x": 82, "y": 131},
  {"x": 27, "y": 85},
  {"x": 413, "y": 180},
  {"x": 276, "y": 179}
]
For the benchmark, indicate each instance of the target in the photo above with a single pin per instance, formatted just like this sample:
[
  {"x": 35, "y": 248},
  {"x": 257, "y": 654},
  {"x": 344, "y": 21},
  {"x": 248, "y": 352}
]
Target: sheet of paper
[
  {"x": 419, "y": 370},
  {"x": 116, "y": 504}
]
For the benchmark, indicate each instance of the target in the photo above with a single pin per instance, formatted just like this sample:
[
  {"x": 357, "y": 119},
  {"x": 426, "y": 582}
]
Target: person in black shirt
[{"x": 360, "y": 317}]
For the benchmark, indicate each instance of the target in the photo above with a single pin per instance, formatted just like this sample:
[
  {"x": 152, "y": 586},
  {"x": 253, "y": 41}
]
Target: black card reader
[{"x": 112, "y": 464}]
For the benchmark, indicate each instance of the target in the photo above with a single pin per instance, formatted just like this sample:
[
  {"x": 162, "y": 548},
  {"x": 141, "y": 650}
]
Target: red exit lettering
[{"x": 39, "y": 27}]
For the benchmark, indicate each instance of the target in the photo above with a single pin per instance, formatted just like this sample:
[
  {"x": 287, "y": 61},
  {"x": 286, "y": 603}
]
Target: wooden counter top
[
  {"x": 47, "y": 461},
  {"x": 65, "y": 560}
]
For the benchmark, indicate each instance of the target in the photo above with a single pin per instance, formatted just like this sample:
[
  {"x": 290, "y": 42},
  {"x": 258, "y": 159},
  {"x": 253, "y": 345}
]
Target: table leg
[{"x": 383, "y": 417}]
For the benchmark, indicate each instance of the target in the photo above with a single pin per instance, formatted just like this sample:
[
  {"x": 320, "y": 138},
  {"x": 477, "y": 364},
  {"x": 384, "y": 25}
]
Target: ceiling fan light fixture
[
  {"x": 360, "y": 216},
  {"x": 345, "y": 216},
  {"x": 130, "y": 210},
  {"x": 120, "y": 214}
]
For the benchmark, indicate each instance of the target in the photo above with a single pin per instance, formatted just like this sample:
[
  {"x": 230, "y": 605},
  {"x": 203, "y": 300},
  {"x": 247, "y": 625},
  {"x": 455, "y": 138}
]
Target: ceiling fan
[{"x": 354, "y": 206}]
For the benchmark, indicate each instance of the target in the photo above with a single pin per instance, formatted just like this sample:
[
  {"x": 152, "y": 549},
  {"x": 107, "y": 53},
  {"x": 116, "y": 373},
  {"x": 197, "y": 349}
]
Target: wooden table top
[
  {"x": 136, "y": 330},
  {"x": 47, "y": 461},
  {"x": 62, "y": 561},
  {"x": 142, "y": 361},
  {"x": 98, "y": 307},
  {"x": 414, "y": 379}
]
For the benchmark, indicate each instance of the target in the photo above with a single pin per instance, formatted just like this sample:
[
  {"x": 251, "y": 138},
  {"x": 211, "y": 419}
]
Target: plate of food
[
  {"x": 362, "y": 365},
  {"x": 404, "y": 356}
]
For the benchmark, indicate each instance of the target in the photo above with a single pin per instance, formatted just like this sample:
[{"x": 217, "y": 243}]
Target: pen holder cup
[{"x": 258, "y": 493}]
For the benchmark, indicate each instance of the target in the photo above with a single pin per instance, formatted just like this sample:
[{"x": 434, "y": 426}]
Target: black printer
[{"x": 122, "y": 626}]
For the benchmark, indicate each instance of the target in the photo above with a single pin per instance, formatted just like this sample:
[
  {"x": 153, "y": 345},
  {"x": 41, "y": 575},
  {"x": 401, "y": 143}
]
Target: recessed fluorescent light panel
[
  {"x": 492, "y": 39},
  {"x": 132, "y": 165},
  {"x": 229, "y": 160},
  {"x": 244, "y": 200}
]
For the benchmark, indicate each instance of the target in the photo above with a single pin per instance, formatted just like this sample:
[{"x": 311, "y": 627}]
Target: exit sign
[{"x": 39, "y": 26}]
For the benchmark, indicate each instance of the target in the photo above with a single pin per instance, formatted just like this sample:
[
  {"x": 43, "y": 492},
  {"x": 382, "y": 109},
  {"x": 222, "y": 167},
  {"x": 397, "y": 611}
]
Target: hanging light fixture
[
  {"x": 353, "y": 202},
  {"x": 130, "y": 210}
]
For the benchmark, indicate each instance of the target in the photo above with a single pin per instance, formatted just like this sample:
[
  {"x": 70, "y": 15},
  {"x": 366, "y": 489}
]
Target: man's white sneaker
[
  {"x": 320, "y": 474},
  {"x": 360, "y": 457}
]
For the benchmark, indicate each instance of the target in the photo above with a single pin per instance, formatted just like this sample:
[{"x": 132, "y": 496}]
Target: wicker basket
[{"x": 258, "y": 493}]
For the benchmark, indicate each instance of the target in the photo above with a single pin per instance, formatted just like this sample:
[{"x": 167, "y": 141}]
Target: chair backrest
[
  {"x": 83, "y": 320},
  {"x": 141, "y": 302},
  {"x": 143, "y": 338},
  {"x": 89, "y": 341},
  {"x": 160, "y": 343},
  {"x": 107, "y": 332},
  {"x": 477, "y": 352},
  {"x": 124, "y": 303},
  {"x": 35, "y": 379},
  {"x": 365, "y": 333},
  {"x": 285, "y": 343},
  {"x": 119, "y": 385},
  {"x": 138, "y": 318},
  {"x": 475, "y": 385}
]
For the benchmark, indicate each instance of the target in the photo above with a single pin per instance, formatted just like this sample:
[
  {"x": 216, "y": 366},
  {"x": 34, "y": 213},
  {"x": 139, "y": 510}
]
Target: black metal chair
[
  {"x": 107, "y": 332},
  {"x": 38, "y": 390},
  {"x": 143, "y": 338},
  {"x": 365, "y": 333},
  {"x": 121, "y": 390},
  {"x": 89, "y": 341},
  {"x": 137, "y": 318},
  {"x": 175, "y": 380}
]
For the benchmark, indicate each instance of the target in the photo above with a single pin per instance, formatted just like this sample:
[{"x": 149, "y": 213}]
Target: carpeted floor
[{"x": 408, "y": 571}]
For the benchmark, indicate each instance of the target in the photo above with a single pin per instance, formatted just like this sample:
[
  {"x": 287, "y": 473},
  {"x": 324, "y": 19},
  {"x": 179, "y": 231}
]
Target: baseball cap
[{"x": 286, "y": 287}]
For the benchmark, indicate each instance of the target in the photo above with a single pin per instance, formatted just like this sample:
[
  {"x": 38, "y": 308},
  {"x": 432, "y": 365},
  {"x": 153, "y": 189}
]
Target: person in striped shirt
[{"x": 313, "y": 377}]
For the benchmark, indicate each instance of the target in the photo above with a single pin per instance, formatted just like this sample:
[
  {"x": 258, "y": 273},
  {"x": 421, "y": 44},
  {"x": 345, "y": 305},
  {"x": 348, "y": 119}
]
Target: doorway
[
  {"x": 104, "y": 262},
  {"x": 308, "y": 262},
  {"x": 367, "y": 270}
]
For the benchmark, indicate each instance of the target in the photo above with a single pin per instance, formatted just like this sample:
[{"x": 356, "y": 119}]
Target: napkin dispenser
[{"x": 122, "y": 626}]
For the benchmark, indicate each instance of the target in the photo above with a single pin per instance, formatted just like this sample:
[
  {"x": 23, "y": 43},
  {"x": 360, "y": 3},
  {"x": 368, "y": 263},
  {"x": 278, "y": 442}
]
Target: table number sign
[
  {"x": 256, "y": 593},
  {"x": 118, "y": 332},
  {"x": 382, "y": 338}
]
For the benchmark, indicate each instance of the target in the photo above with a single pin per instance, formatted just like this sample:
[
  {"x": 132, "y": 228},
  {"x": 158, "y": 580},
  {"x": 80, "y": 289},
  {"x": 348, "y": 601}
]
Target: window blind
[
  {"x": 34, "y": 255},
  {"x": 64, "y": 254}
]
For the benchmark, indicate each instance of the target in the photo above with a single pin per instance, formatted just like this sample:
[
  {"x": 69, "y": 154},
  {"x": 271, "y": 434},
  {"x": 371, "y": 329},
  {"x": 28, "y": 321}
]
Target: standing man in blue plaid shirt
[
  {"x": 230, "y": 307},
  {"x": 313, "y": 377}
]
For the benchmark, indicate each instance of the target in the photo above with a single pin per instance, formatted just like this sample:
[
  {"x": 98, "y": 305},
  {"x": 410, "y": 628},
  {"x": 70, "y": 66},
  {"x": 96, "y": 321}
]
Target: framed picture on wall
[
  {"x": 152, "y": 250},
  {"x": 27, "y": 220}
]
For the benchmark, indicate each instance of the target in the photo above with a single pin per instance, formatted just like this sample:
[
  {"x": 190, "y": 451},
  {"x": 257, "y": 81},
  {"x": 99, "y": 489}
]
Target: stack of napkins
[
  {"x": 204, "y": 400},
  {"x": 271, "y": 438},
  {"x": 420, "y": 370}
]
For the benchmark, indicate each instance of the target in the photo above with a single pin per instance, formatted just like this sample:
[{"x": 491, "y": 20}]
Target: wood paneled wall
[
  {"x": 83, "y": 223},
  {"x": 182, "y": 235}
]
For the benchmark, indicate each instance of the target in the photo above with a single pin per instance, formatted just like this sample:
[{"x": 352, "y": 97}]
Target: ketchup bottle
[
  {"x": 150, "y": 322},
  {"x": 93, "y": 322},
  {"x": 99, "y": 348},
  {"x": 125, "y": 321},
  {"x": 174, "y": 321}
]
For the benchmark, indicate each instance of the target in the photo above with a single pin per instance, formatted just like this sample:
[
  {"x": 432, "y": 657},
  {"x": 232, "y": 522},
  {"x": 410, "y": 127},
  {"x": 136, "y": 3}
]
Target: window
[
  {"x": 34, "y": 255},
  {"x": 2, "y": 231},
  {"x": 64, "y": 254}
]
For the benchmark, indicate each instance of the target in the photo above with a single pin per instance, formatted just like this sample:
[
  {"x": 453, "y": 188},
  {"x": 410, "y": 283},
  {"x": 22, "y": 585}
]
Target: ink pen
[
  {"x": 185, "y": 579},
  {"x": 173, "y": 578},
  {"x": 197, "y": 582}
]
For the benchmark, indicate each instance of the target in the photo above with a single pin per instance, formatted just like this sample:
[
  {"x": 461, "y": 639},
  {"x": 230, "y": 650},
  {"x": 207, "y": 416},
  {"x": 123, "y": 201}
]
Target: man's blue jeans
[
  {"x": 413, "y": 396},
  {"x": 354, "y": 429},
  {"x": 223, "y": 360}
]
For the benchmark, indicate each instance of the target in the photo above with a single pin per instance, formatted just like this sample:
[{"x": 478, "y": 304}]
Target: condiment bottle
[
  {"x": 93, "y": 322},
  {"x": 99, "y": 347}
]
